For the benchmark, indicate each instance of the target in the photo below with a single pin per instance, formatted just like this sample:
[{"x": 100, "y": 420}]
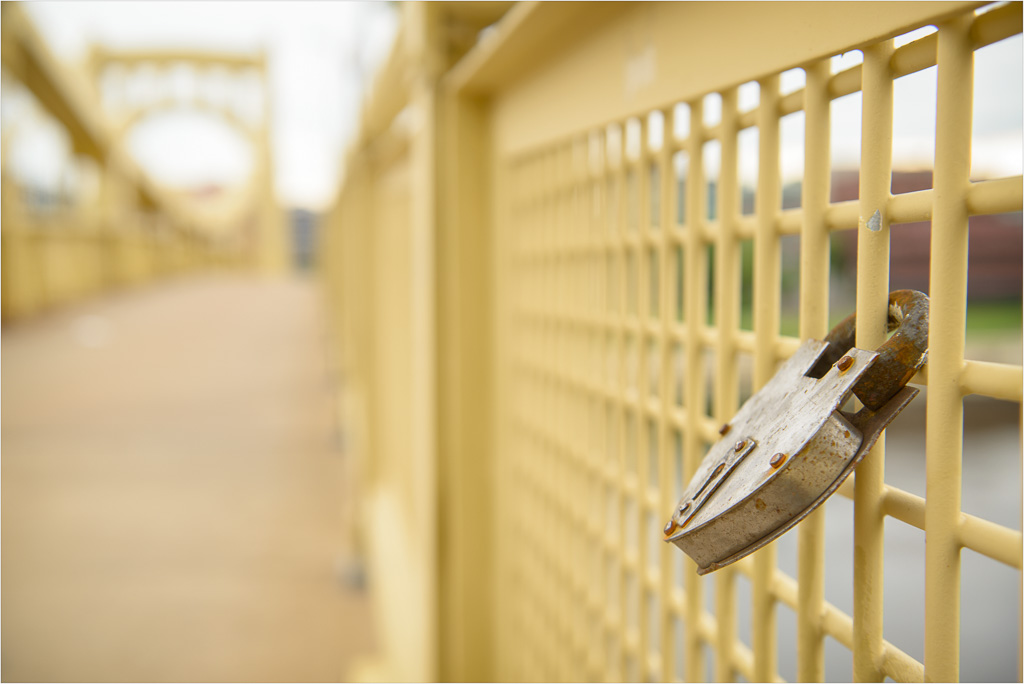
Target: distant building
[
  {"x": 995, "y": 248},
  {"x": 303, "y": 229},
  {"x": 995, "y": 242}
]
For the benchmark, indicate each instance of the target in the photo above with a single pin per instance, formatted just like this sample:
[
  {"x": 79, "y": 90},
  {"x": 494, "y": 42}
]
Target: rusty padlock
[{"x": 790, "y": 446}]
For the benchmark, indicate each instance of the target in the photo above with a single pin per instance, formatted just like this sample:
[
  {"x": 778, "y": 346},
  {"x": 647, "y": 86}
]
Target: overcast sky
[{"x": 322, "y": 52}]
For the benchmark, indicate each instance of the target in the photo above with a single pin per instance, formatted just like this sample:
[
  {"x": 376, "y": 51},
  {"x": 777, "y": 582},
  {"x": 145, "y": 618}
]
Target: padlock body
[
  {"x": 788, "y": 448},
  {"x": 750, "y": 518}
]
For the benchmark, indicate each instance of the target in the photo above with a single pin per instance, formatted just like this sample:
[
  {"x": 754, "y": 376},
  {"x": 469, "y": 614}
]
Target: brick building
[{"x": 995, "y": 249}]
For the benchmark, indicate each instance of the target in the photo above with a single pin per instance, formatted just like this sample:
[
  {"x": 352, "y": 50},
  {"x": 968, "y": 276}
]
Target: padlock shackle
[{"x": 899, "y": 358}]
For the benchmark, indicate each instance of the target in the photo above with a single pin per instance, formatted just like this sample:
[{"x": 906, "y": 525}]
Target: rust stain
[{"x": 899, "y": 358}]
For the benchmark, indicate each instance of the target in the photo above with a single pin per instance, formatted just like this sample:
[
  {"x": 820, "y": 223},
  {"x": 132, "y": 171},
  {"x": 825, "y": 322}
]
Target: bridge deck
[{"x": 173, "y": 496}]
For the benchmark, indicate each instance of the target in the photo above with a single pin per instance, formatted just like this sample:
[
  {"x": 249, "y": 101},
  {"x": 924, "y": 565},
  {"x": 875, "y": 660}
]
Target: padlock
[{"x": 791, "y": 446}]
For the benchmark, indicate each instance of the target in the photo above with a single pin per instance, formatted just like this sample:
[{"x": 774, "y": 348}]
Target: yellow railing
[
  {"x": 132, "y": 230},
  {"x": 521, "y": 263}
]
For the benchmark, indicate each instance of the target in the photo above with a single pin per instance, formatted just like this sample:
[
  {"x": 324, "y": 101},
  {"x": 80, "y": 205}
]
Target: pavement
[{"x": 173, "y": 491}]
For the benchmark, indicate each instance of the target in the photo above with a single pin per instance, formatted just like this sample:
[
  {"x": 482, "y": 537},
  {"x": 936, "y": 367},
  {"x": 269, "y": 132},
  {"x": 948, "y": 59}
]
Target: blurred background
[
  {"x": 173, "y": 487},
  {"x": 177, "y": 501}
]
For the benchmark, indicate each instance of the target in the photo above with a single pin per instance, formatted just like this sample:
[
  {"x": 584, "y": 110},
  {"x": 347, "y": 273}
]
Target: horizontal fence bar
[
  {"x": 995, "y": 196},
  {"x": 992, "y": 540},
  {"x": 900, "y": 666},
  {"x": 996, "y": 380}
]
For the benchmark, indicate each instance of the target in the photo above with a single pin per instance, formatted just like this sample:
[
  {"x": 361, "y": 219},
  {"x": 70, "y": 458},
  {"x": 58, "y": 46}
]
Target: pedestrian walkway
[{"x": 173, "y": 493}]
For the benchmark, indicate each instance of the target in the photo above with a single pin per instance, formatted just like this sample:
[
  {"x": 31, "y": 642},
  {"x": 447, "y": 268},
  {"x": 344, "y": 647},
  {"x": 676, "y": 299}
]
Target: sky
[
  {"x": 997, "y": 123},
  {"x": 321, "y": 56}
]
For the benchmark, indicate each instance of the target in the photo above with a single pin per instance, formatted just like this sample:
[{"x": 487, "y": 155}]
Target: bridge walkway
[{"x": 173, "y": 492}]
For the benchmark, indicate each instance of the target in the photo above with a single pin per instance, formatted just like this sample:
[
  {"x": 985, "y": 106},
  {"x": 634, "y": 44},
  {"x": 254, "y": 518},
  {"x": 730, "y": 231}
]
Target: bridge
[
  {"x": 570, "y": 240},
  {"x": 173, "y": 486},
  {"x": 128, "y": 229}
]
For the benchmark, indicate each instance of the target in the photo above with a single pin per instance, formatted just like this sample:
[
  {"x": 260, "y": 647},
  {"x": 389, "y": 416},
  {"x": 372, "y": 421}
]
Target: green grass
[
  {"x": 994, "y": 317},
  {"x": 986, "y": 318}
]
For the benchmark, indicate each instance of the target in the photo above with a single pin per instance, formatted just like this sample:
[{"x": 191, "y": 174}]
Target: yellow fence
[{"x": 535, "y": 268}]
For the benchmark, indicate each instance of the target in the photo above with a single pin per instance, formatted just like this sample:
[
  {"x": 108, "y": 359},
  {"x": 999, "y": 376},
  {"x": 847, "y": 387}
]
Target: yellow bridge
[
  {"x": 570, "y": 241},
  {"x": 128, "y": 229}
]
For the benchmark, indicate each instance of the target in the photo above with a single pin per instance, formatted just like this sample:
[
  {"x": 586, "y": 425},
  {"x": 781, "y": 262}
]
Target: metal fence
[{"x": 543, "y": 318}]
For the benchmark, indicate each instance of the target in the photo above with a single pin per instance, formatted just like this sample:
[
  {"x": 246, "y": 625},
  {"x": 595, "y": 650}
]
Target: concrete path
[{"x": 172, "y": 490}]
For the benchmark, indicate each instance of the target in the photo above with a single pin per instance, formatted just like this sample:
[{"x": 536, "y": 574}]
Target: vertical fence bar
[
  {"x": 623, "y": 405},
  {"x": 728, "y": 288},
  {"x": 590, "y": 613},
  {"x": 529, "y": 509},
  {"x": 527, "y": 513},
  {"x": 666, "y": 242},
  {"x": 554, "y": 481},
  {"x": 524, "y": 390},
  {"x": 508, "y": 210},
  {"x": 527, "y": 390},
  {"x": 606, "y": 316},
  {"x": 547, "y": 242},
  {"x": 948, "y": 284},
  {"x": 872, "y": 311},
  {"x": 767, "y": 282},
  {"x": 552, "y": 471},
  {"x": 547, "y": 258},
  {"x": 579, "y": 537},
  {"x": 641, "y": 237},
  {"x": 569, "y": 467},
  {"x": 561, "y": 267},
  {"x": 587, "y": 541},
  {"x": 696, "y": 309},
  {"x": 814, "y": 289}
]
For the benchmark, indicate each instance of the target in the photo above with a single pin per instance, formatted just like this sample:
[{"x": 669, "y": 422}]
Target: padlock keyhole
[{"x": 828, "y": 358}]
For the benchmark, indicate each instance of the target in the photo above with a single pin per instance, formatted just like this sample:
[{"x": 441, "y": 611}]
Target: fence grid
[
  {"x": 603, "y": 441},
  {"x": 608, "y": 288}
]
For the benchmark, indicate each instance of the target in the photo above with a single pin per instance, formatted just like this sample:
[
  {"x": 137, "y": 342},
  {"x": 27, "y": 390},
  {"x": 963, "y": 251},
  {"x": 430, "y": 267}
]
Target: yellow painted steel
[
  {"x": 814, "y": 269},
  {"x": 872, "y": 312},
  {"x": 949, "y": 293},
  {"x": 767, "y": 281},
  {"x": 588, "y": 341},
  {"x": 133, "y": 231}
]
